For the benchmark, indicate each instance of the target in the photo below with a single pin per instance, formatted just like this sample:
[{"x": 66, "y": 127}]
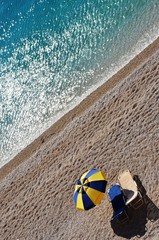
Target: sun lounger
[
  {"x": 130, "y": 189},
  {"x": 118, "y": 203}
]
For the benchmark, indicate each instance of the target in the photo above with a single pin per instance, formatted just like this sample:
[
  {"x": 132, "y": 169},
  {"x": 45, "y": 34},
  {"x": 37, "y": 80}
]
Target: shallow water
[{"x": 54, "y": 53}]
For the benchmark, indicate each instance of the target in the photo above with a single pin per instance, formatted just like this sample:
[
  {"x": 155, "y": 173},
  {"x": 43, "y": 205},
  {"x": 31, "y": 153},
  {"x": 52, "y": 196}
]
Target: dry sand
[{"x": 115, "y": 128}]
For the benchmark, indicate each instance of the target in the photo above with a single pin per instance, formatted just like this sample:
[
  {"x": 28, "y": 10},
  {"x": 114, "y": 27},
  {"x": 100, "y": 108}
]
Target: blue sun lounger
[{"x": 118, "y": 203}]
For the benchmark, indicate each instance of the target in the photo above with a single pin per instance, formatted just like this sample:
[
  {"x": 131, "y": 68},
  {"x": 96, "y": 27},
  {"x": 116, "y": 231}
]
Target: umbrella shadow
[{"x": 136, "y": 225}]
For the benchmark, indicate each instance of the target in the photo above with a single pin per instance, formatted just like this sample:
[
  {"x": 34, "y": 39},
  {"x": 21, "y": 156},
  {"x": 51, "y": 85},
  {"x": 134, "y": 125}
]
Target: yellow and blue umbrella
[{"x": 89, "y": 189}]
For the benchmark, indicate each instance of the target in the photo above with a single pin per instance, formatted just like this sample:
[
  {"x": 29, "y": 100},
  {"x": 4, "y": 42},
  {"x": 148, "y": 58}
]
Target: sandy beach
[{"x": 113, "y": 129}]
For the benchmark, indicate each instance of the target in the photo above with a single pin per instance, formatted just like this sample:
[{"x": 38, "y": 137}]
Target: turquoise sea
[{"x": 54, "y": 53}]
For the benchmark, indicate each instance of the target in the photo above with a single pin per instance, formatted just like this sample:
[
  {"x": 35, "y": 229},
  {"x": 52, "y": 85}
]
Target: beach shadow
[
  {"x": 136, "y": 225},
  {"x": 152, "y": 209}
]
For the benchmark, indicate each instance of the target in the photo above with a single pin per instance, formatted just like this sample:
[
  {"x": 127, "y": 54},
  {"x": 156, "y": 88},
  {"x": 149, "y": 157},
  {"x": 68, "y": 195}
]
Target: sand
[{"x": 113, "y": 129}]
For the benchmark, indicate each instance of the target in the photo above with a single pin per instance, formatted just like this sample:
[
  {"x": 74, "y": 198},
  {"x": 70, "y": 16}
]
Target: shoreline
[{"x": 86, "y": 103}]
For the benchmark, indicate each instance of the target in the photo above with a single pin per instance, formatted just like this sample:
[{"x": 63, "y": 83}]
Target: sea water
[{"x": 53, "y": 53}]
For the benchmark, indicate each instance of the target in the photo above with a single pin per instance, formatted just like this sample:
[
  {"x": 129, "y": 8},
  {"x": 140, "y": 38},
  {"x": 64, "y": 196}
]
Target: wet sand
[{"x": 115, "y": 128}]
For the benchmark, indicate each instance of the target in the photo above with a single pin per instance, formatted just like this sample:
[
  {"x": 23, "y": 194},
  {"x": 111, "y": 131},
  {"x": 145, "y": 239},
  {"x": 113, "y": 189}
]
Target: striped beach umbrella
[{"x": 89, "y": 189}]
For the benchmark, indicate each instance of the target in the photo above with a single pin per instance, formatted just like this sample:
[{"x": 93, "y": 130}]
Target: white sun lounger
[{"x": 130, "y": 189}]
